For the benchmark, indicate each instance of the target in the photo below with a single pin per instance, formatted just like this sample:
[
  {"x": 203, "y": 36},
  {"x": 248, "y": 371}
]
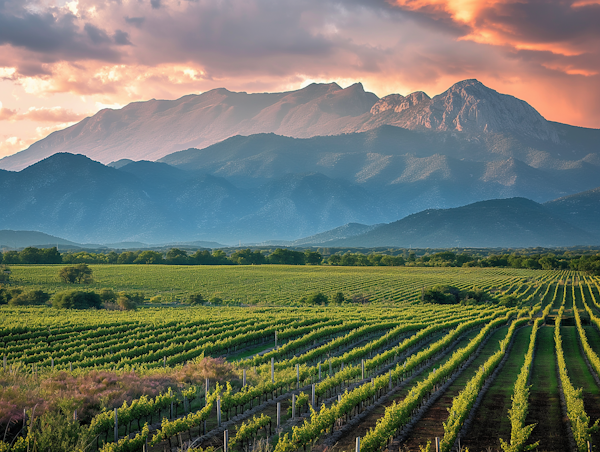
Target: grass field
[{"x": 372, "y": 366}]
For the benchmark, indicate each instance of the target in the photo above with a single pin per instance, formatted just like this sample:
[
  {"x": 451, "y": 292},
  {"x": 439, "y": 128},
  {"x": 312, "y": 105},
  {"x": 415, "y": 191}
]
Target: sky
[{"x": 63, "y": 60}]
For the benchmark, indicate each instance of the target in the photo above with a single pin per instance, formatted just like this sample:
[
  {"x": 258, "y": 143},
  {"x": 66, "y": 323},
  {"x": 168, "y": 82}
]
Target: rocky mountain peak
[{"x": 399, "y": 103}]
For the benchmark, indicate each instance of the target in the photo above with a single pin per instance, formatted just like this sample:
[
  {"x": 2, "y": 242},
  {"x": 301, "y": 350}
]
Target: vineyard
[{"x": 391, "y": 374}]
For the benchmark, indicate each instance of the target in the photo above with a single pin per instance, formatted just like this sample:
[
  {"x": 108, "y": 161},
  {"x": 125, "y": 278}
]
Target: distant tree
[
  {"x": 339, "y": 298},
  {"x": 334, "y": 259},
  {"x": 4, "y": 274},
  {"x": 80, "y": 273},
  {"x": 11, "y": 257},
  {"x": 285, "y": 256},
  {"x": 312, "y": 257},
  {"x": 127, "y": 257},
  {"x": 315, "y": 299},
  {"x": 126, "y": 304},
  {"x": 216, "y": 301},
  {"x": 247, "y": 257},
  {"x": 75, "y": 299},
  {"x": 112, "y": 257},
  {"x": 149, "y": 257},
  {"x": 196, "y": 299},
  {"x": 175, "y": 256},
  {"x": 29, "y": 298},
  {"x": 442, "y": 294},
  {"x": 107, "y": 295}
]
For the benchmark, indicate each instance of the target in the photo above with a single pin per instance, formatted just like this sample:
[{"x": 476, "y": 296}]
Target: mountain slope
[
  {"x": 514, "y": 222},
  {"x": 152, "y": 129},
  {"x": 581, "y": 209},
  {"x": 395, "y": 159},
  {"x": 22, "y": 239}
]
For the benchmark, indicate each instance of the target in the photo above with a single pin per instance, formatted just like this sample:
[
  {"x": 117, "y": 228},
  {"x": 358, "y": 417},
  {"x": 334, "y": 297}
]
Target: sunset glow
[{"x": 61, "y": 61}]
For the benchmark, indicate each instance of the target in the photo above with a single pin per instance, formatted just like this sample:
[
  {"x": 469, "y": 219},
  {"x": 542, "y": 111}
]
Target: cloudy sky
[{"x": 63, "y": 60}]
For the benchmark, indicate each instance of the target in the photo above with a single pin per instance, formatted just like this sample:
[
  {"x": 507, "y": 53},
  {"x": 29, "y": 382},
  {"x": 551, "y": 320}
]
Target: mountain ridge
[{"x": 149, "y": 130}]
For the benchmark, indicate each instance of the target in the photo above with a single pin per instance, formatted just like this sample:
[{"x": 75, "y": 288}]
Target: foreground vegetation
[{"x": 396, "y": 339}]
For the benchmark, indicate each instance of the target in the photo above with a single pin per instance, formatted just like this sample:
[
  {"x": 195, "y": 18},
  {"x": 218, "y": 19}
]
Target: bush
[
  {"x": 107, "y": 295},
  {"x": 442, "y": 294},
  {"x": 196, "y": 299},
  {"x": 29, "y": 298},
  {"x": 80, "y": 273},
  {"x": 316, "y": 298},
  {"x": 126, "y": 303},
  {"x": 75, "y": 299}
]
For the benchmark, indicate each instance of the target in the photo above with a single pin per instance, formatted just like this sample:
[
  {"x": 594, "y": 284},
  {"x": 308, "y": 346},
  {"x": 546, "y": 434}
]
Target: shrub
[
  {"x": 75, "y": 299},
  {"x": 29, "y": 298}
]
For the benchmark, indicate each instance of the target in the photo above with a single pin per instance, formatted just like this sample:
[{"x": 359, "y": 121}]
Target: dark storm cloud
[
  {"x": 122, "y": 38},
  {"x": 548, "y": 21},
  {"x": 135, "y": 21},
  {"x": 53, "y": 33}
]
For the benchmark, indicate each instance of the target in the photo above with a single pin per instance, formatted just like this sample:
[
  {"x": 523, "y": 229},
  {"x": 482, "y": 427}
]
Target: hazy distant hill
[
  {"x": 72, "y": 196},
  {"x": 84, "y": 201},
  {"x": 514, "y": 222},
  {"x": 22, "y": 239},
  {"x": 581, "y": 209},
  {"x": 343, "y": 232},
  {"x": 468, "y": 113}
]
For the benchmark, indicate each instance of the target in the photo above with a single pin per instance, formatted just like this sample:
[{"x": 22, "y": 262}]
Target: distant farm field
[
  {"x": 276, "y": 284},
  {"x": 395, "y": 372}
]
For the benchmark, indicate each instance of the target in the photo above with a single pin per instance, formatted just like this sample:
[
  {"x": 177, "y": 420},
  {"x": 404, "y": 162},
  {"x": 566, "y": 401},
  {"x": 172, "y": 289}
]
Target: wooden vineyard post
[
  {"x": 272, "y": 370},
  {"x": 319, "y": 371},
  {"x": 70, "y": 367},
  {"x": 297, "y": 374},
  {"x": 278, "y": 415},
  {"x": 164, "y": 362},
  {"x": 116, "y": 425},
  {"x": 293, "y": 406},
  {"x": 244, "y": 378},
  {"x": 225, "y": 440},
  {"x": 275, "y": 340},
  {"x": 172, "y": 413},
  {"x": 313, "y": 396},
  {"x": 52, "y": 362},
  {"x": 362, "y": 368},
  {"x": 206, "y": 382},
  {"x": 357, "y": 449},
  {"x": 437, "y": 444},
  {"x": 330, "y": 369}
]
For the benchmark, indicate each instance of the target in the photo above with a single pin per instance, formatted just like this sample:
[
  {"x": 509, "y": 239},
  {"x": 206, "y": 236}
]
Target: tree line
[{"x": 175, "y": 256}]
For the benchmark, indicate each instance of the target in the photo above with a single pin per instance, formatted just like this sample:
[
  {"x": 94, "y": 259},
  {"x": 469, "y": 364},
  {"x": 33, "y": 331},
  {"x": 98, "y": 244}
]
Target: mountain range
[{"x": 236, "y": 167}]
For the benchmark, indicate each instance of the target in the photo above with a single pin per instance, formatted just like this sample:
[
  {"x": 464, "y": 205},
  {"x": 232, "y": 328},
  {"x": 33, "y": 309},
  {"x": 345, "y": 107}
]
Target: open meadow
[{"x": 266, "y": 370}]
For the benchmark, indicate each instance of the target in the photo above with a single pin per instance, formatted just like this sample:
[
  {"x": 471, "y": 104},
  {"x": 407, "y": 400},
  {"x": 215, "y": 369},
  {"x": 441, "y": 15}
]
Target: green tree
[
  {"x": 312, "y": 257},
  {"x": 175, "y": 256},
  {"x": 334, "y": 259},
  {"x": 127, "y": 257},
  {"x": 339, "y": 298},
  {"x": 247, "y": 257},
  {"x": 80, "y": 273},
  {"x": 315, "y": 299},
  {"x": 288, "y": 257},
  {"x": 75, "y": 299},
  {"x": 149, "y": 257},
  {"x": 29, "y": 298},
  {"x": 196, "y": 299}
]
